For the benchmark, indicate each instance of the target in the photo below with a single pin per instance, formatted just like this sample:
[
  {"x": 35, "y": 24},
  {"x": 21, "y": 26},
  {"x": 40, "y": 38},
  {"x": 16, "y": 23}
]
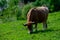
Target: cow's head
[
  {"x": 26, "y": 24},
  {"x": 29, "y": 26}
]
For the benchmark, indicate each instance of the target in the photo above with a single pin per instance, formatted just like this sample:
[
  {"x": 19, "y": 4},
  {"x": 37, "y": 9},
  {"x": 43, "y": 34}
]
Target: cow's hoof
[
  {"x": 30, "y": 32},
  {"x": 44, "y": 29}
]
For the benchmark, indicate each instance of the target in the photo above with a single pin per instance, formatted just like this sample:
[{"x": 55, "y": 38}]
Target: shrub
[
  {"x": 25, "y": 9},
  {"x": 11, "y": 14}
]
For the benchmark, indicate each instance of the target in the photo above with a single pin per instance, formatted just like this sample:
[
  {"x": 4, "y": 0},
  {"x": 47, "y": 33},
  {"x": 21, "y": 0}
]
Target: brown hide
[{"x": 37, "y": 15}]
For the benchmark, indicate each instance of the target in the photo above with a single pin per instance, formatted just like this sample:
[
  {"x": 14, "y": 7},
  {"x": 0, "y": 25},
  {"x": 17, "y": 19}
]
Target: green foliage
[
  {"x": 25, "y": 9},
  {"x": 12, "y": 3},
  {"x": 19, "y": 14},
  {"x": 16, "y": 30},
  {"x": 2, "y": 3},
  {"x": 37, "y": 3},
  {"x": 51, "y": 8},
  {"x": 11, "y": 14},
  {"x": 41, "y": 2},
  {"x": 11, "y": 10},
  {"x": 56, "y": 4},
  {"x": 8, "y": 14}
]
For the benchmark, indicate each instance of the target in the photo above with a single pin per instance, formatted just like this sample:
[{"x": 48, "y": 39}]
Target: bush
[
  {"x": 37, "y": 3},
  {"x": 25, "y": 10},
  {"x": 27, "y": 7},
  {"x": 11, "y": 14},
  {"x": 19, "y": 14}
]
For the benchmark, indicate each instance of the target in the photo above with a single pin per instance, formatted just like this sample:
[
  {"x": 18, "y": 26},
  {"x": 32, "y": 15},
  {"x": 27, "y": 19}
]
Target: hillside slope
[{"x": 16, "y": 30}]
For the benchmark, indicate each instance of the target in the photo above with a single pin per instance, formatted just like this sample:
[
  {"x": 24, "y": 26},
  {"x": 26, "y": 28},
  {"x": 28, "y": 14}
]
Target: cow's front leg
[
  {"x": 36, "y": 27},
  {"x": 30, "y": 28},
  {"x": 44, "y": 25}
]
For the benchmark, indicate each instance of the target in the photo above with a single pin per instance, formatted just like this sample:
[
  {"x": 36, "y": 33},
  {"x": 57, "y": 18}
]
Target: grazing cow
[{"x": 37, "y": 15}]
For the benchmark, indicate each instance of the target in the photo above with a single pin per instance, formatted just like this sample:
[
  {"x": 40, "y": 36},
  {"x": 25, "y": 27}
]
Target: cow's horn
[{"x": 33, "y": 22}]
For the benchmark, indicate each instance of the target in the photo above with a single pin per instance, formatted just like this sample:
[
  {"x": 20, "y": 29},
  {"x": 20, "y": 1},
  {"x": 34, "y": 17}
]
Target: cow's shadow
[{"x": 44, "y": 31}]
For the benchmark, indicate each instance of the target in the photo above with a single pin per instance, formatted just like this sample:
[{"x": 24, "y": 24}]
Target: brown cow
[{"x": 37, "y": 15}]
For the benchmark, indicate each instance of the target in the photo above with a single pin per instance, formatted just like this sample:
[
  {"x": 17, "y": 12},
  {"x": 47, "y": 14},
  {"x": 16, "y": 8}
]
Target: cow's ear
[{"x": 25, "y": 24}]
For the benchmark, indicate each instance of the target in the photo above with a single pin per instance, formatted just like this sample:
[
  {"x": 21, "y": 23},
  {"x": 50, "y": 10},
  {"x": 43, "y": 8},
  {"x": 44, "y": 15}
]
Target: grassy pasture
[{"x": 16, "y": 31}]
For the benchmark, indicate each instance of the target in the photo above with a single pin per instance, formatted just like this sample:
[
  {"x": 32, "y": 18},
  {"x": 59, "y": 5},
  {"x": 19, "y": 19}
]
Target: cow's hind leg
[{"x": 44, "y": 25}]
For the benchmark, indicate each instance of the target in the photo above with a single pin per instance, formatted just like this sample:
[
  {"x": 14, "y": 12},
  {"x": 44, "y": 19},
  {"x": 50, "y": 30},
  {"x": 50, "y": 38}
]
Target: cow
[{"x": 37, "y": 15}]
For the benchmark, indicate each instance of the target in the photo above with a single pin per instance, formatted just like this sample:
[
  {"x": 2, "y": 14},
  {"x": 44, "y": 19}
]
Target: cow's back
[{"x": 38, "y": 14}]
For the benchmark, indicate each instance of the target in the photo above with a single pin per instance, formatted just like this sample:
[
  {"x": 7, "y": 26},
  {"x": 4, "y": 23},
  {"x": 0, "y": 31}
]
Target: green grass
[{"x": 16, "y": 30}]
